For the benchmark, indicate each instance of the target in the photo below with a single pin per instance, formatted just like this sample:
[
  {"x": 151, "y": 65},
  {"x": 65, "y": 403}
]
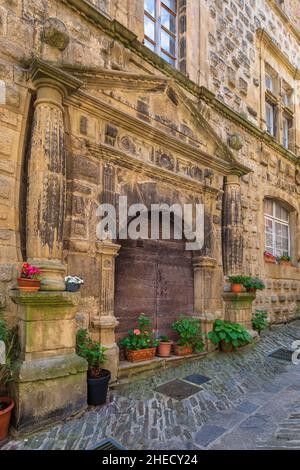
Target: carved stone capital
[{"x": 204, "y": 262}]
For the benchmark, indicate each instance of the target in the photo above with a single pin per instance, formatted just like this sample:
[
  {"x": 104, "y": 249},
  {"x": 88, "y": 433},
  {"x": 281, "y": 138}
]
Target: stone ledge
[
  {"x": 50, "y": 368},
  {"x": 46, "y": 298},
  {"x": 127, "y": 369}
]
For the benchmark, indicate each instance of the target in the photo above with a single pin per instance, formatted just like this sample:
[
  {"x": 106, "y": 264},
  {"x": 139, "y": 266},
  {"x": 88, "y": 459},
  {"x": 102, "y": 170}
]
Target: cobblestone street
[{"x": 252, "y": 401}]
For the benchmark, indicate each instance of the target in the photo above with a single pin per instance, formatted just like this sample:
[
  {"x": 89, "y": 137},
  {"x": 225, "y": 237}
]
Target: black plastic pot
[{"x": 97, "y": 389}]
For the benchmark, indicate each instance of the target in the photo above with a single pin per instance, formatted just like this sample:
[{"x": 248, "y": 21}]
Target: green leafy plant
[
  {"x": 260, "y": 320},
  {"x": 164, "y": 339},
  {"x": 232, "y": 333},
  {"x": 254, "y": 283},
  {"x": 10, "y": 339},
  {"x": 141, "y": 337},
  {"x": 285, "y": 258},
  {"x": 189, "y": 331},
  {"x": 92, "y": 352},
  {"x": 239, "y": 279}
]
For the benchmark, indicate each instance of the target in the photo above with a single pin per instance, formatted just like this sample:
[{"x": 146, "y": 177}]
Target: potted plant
[
  {"x": 237, "y": 283},
  {"x": 97, "y": 377},
  {"x": 252, "y": 284},
  {"x": 190, "y": 336},
  {"x": 228, "y": 335},
  {"x": 30, "y": 280},
  {"x": 260, "y": 321},
  {"x": 8, "y": 347},
  {"x": 269, "y": 257},
  {"x": 164, "y": 346},
  {"x": 140, "y": 344},
  {"x": 285, "y": 260},
  {"x": 73, "y": 283}
]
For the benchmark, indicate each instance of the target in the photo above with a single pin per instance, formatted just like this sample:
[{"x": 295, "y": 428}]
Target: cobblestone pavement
[{"x": 252, "y": 401}]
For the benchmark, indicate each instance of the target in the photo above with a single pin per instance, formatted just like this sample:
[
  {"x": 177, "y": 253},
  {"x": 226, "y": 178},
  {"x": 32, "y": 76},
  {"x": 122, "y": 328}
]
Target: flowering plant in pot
[
  {"x": 228, "y": 335},
  {"x": 190, "y": 336},
  {"x": 269, "y": 257},
  {"x": 237, "y": 283},
  {"x": 8, "y": 351},
  {"x": 140, "y": 344},
  {"x": 253, "y": 284},
  {"x": 164, "y": 346},
  {"x": 285, "y": 260},
  {"x": 260, "y": 321},
  {"x": 73, "y": 283},
  {"x": 30, "y": 279},
  {"x": 97, "y": 377}
]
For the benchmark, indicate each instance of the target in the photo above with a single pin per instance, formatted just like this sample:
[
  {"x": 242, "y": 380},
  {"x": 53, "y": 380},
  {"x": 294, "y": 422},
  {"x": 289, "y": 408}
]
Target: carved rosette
[{"x": 232, "y": 226}]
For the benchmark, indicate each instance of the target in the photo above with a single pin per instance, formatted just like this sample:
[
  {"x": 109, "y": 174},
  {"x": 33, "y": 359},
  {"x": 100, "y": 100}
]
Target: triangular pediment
[{"x": 162, "y": 102}]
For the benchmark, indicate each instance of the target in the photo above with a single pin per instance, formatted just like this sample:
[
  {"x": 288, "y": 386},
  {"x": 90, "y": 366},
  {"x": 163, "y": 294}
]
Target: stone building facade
[{"x": 204, "y": 111}]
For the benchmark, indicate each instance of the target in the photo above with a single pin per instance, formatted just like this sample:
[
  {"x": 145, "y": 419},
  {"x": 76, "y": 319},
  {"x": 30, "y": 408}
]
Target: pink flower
[{"x": 136, "y": 332}]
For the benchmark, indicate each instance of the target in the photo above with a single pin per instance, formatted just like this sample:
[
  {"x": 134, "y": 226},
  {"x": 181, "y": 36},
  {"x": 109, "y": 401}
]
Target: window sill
[{"x": 280, "y": 270}]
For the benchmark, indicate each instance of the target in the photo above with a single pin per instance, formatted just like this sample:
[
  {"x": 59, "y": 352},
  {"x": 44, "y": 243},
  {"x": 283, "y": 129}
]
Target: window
[
  {"x": 269, "y": 83},
  {"x": 277, "y": 231},
  {"x": 160, "y": 23},
  {"x": 285, "y": 132},
  {"x": 270, "y": 118}
]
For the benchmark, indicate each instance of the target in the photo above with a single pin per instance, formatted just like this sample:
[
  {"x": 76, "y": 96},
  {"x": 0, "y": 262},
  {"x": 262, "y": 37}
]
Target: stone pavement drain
[{"x": 251, "y": 401}]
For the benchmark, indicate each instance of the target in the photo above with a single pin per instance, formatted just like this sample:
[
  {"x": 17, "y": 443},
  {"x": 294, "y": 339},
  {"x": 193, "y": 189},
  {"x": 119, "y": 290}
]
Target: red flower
[{"x": 136, "y": 331}]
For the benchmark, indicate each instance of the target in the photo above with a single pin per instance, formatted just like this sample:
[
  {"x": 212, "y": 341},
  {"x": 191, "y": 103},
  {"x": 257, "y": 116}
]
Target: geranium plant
[
  {"x": 141, "y": 337},
  {"x": 285, "y": 258},
  {"x": 30, "y": 272},
  {"x": 9, "y": 338},
  {"x": 254, "y": 283}
]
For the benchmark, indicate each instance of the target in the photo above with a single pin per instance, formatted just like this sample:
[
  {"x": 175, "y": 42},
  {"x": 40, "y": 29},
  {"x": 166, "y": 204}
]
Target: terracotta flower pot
[
  {"x": 140, "y": 354},
  {"x": 5, "y": 416},
  {"x": 183, "y": 350},
  {"x": 252, "y": 290},
  {"x": 226, "y": 347},
  {"x": 236, "y": 288},
  {"x": 285, "y": 263},
  {"x": 164, "y": 348},
  {"x": 28, "y": 285},
  {"x": 269, "y": 259}
]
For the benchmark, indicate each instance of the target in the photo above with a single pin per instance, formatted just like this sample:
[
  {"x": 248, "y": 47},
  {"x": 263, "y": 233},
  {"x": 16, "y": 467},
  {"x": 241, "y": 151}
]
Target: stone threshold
[{"x": 130, "y": 370}]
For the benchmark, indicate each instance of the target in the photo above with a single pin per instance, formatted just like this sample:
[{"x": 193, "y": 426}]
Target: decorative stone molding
[
  {"x": 235, "y": 142},
  {"x": 232, "y": 230},
  {"x": 55, "y": 34},
  {"x": 104, "y": 323}
]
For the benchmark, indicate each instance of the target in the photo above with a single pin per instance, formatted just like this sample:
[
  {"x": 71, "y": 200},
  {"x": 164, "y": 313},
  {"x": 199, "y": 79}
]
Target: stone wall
[{"x": 102, "y": 146}]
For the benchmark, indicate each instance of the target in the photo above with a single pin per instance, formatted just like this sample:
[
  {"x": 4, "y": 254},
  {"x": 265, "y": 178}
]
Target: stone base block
[{"x": 48, "y": 390}]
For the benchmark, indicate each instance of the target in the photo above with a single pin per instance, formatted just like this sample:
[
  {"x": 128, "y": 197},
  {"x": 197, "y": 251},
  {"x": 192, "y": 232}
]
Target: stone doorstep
[{"x": 128, "y": 370}]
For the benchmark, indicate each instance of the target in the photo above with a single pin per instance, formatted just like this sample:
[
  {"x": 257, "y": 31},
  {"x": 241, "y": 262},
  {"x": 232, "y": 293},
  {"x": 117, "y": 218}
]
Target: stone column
[
  {"x": 105, "y": 323},
  {"x": 46, "y": 199},
  {"x": 232, "y": 230}
]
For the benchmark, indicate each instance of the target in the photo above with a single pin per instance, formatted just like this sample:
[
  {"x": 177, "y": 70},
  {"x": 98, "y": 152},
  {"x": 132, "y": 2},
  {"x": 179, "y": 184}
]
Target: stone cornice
[
  {"x": 41, "y": 71},
  {"x": 285, "y": 18},
  {"x": 100, "y": 78},
  {"x": 272, "y": 47},
  {"x": 107, "y": 152}
]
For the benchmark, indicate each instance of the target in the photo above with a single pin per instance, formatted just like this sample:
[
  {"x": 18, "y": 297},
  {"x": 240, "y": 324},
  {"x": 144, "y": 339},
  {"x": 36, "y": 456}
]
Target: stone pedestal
[
  {"x": 105, "y": 323},
  {"x": 238, "y": 308},
  {"x": 49, "y": 378}
]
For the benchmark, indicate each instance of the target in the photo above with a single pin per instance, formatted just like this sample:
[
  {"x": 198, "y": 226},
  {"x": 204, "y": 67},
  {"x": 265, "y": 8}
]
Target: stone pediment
[{"x": 159, "y": 101}]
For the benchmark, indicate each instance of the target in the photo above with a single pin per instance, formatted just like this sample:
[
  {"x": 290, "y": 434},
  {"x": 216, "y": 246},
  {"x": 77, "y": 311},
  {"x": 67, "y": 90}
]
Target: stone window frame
[
  {"x": 293, "y": 225},
  {"x": 280, "y": 97}
]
